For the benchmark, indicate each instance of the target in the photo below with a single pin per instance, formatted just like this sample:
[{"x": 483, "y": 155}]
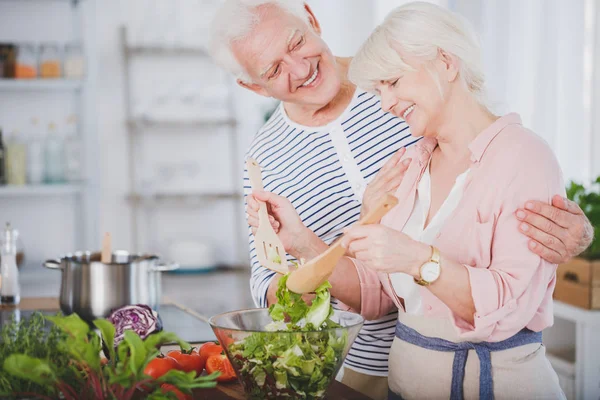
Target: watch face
[{"x": 430, "y": 271}]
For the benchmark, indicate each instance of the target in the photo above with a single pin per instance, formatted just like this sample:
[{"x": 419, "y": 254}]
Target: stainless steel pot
[{"x": 93, "y": 289}]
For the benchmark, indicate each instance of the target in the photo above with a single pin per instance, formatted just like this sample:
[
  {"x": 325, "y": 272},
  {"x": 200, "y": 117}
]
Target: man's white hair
[
  {"x": 419, "y": 30},
  {"x": 236, "y": 19}
]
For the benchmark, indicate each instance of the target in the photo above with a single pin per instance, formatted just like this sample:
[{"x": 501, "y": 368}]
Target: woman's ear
[
  {"x": 450, "y": 65},
  {"x": 312, "y": 20}
]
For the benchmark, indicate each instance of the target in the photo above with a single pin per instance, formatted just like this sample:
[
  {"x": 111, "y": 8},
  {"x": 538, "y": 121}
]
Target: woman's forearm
[{"x": 453, "y": 287}]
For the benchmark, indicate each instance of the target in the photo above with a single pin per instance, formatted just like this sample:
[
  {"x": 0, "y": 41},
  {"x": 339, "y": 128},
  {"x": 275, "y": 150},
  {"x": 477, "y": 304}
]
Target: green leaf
[
  {"x": 71, "y": 324},
  {"x": 277, "y": 312},
  {"x": 158, "y": 339},
  {"x": 188, "y": 380},
  {"x": 320, "y": 308},
  {"x": 107, "y": 330},
  {"x": 33, "y": 369},
  {"x": 137, "y": 350}
]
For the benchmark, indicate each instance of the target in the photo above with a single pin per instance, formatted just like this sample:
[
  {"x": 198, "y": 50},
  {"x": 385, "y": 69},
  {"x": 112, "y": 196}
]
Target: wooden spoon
[
  {"x": 106, "y": 255},
  {"x": 311, "y": 275},
  {"x": 266, "y": 241}
]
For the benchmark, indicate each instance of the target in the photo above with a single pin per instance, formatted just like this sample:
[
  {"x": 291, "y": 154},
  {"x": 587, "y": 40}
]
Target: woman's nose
[{"x": 388, "y": 101}]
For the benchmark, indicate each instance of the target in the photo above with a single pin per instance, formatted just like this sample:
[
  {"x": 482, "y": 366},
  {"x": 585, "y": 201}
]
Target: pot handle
[
  {"x": 53, "y": 264},
  {"x": 164, "y": 267}
]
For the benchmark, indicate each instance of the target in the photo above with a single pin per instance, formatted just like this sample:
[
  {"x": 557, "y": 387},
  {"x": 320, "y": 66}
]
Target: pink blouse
[{"x": 511, "y": 286}]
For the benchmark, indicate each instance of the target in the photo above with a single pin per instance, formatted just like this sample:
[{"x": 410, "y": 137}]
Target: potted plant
[{"x": 578, "y": 281}]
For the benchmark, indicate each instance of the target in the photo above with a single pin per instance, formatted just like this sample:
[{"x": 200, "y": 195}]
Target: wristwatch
[{"x": 430, "y": 271}]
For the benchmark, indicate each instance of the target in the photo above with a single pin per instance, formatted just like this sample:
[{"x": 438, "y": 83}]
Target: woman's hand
[
  {"x": 386, "y": 181},
  {"x": 385, "y": 250},
  {"x": 283, "y": 218}
]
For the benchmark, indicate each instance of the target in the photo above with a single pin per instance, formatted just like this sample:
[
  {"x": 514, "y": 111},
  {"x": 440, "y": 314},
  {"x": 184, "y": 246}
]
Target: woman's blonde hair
[{"x": 419, "y": 30}]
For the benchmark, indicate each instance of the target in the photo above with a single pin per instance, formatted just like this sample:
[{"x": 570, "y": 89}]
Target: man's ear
[
  {"x": 312, "y": 20},
  {"x": 253, "y": 87}
]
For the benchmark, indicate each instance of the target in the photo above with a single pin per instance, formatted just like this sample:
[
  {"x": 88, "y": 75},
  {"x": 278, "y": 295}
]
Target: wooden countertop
[
  {"x": 234, "y": 391},
  {"x": 35, "y": 303}
]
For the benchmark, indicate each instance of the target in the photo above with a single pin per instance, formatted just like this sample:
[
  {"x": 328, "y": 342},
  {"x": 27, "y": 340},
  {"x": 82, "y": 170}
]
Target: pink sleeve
[
  {"x": 509, "y": 293},
  {"x": 374, "y": 302}
]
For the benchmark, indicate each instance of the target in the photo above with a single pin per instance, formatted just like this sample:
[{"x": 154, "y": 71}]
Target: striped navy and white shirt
[{"x": 323, "y": 171}]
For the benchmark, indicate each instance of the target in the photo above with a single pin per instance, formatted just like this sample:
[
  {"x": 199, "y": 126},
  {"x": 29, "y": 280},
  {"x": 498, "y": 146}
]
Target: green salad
[{"x": 300, "y": 363}]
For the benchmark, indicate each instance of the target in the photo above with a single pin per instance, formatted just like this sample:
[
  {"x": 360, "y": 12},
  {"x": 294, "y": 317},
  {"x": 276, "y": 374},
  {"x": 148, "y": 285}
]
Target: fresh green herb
[
  {"x": 35, "y": 338},
  {"x": 589, "y": 201},
  {"x": 299, "y": 363},
  {"x": 84, "y": 376}
]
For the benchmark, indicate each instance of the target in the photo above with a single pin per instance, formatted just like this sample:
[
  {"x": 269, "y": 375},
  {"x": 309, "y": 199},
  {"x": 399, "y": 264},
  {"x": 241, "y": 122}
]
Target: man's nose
[{"x": 299, "y": 67}]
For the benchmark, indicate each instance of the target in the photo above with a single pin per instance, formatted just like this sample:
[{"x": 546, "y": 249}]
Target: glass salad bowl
[{"x": 284, "y": 364}]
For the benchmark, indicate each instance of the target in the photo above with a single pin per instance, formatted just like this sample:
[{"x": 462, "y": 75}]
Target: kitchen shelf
[
  {"x": 576, "y": 314},
  {"x": 139, "y": 123},
  {"x": 40, "y": 84},
  {"x": 159, "y": 50},
  {"x": 73, "y": 2},
  {"x": 188, "y": 198},
  {"x": 39, "y": 190}
]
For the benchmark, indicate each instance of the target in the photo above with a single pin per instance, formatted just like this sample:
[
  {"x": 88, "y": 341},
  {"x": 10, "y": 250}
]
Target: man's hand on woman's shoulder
[{"x": 558, "y": 232}]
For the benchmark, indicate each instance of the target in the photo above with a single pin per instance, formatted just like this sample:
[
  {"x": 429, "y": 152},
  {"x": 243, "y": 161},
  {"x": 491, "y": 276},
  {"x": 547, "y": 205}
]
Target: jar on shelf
[
  {"x": 74, "y": 61},
  {"x": 35, "y": 154},
  {"x": 26, "y": 65},
  {"x": 54, "y": 156},
  {"x": 16, "y": 160},
  {"x": 8, "y": 58},
  {"x": 50, "y": 61}
]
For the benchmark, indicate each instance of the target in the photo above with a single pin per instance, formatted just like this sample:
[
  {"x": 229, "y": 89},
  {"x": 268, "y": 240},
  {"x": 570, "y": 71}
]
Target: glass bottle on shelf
[
  {"x": 35, "y": 154},
  {"x": 2, "y": 161},
  {"x": 10, "y": 292},
  {"x": 16, "y": 160},
  {"x": 72, "y": 151},
  {"x": 26, "y": 65},
  {"x": 50, "y": 61},
  {"x": 54, "y": 156},
  {"x": 74, "y": 61}
]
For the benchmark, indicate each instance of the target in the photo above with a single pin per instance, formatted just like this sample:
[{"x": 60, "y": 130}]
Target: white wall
[{"x": 345, "y": 23}]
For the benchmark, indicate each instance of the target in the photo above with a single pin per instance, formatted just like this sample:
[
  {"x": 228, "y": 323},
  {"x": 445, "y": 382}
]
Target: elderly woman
[{"x": 473, "y": 299}]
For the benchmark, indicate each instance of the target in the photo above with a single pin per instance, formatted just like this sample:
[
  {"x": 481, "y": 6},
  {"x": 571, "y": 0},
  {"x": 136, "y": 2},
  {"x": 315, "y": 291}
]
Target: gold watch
[{"x": 431, "y": 270}]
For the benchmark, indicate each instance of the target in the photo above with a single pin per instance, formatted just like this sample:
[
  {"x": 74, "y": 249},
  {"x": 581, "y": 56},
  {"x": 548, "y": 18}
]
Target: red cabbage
[{"x": 139, "y": 318}]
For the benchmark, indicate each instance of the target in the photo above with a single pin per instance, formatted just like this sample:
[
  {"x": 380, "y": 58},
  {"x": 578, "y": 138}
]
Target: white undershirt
[{"x": 404, "y": 284}]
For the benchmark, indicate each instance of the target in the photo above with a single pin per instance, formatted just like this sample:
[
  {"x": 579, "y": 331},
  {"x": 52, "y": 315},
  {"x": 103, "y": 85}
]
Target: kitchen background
[{"x": 115, "y": 120}]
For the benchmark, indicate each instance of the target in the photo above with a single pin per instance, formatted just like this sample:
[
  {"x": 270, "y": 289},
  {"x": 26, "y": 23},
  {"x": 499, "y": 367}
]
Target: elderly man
[{"x": 332, "y": 152}]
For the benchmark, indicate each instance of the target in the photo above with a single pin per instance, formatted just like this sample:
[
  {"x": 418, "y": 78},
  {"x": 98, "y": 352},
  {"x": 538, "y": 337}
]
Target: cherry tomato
[
  {"x": 208, "y": 349},
  {"x": 160, "y": 366},
  {"x": 220, "y": 363},
  {"x": 166, "y": 387},
  {"x": 189, "y": 360}
]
